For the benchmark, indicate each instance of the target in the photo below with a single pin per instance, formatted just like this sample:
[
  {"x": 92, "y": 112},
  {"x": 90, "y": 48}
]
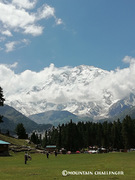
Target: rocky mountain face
[
  {"x": 83, "y": 91},
  {"x": 122, "y": 105}
]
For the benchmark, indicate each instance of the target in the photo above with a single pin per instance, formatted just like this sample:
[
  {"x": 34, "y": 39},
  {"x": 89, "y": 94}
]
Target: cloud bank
[{"x": 60, "y": 85}]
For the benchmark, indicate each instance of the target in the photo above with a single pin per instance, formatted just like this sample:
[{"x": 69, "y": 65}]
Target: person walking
[
  {"x": 55, "y": 153},
  {"x": 26, "y": 157},
  {"x": 47, "y": 154}
]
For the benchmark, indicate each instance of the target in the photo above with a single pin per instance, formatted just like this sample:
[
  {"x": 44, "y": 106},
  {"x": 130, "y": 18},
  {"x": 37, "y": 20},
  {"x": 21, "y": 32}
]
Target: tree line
[{"x": 111, "y": 135}]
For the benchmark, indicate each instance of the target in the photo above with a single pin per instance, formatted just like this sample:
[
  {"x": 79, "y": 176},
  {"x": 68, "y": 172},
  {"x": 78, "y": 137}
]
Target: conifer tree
[
  {"x": 128, "y": 132},
  {"x": 21, "y": 132},
  {"x": 34, "y": 138},
  {"x": 1, "y": 102}
]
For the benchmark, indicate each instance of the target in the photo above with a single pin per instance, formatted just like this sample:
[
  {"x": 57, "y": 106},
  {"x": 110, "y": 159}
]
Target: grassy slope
[
  {"x": 14, "y": 141},
  {"x": 41, "y": 168}
]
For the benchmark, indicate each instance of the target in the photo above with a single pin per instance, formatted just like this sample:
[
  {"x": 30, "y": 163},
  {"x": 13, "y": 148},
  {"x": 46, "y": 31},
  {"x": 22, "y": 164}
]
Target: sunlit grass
[{"x": 41, "y": 168}]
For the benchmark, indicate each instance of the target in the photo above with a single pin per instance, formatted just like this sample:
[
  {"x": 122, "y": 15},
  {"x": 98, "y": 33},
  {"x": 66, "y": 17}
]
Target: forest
[{"x": 77, "y": 136}]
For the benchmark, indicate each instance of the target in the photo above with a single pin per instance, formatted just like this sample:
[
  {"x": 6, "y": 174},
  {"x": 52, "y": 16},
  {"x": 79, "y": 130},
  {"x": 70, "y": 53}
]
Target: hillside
[
  {"x": 43, "y": 121},
  {"x": 12, "y": 117},
  {"x": 57, "y": 117},
  {"x": 128, "y": 111},
  {"x": 54, "y": 117},
  {"x": 14, "y": 141}
]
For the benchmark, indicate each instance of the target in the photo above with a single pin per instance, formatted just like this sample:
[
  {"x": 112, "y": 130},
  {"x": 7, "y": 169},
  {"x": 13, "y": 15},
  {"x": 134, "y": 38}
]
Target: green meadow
[{"x": 41, "y": 168}]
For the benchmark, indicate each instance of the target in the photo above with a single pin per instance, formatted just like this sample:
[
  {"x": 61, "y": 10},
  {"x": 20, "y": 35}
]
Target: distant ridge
[
  {"x": 43, "y": 121},
  {"x": 53, "y": 117},
  {"x": 12, "y": 117}
]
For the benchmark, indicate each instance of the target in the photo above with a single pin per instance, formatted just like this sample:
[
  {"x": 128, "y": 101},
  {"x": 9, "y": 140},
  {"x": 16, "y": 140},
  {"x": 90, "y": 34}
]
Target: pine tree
[
  {"x": 117, "y": 135},
  {"x": 99, "y": 134},
  {"x": 1, "y": 102},
  {"x": 35, "y": 139},
  {"x": 128, "y": 132},
  {"x": 59, "y": 137},
  {"x": 21, "y": 132}
]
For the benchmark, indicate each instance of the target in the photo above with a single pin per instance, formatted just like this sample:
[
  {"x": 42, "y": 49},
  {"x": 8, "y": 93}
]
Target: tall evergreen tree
[
  {"x": 105, "y": 134},
  {"x": 81, "y": 130},
  {"x": 1, "y": 102},
  {"x": 116, "y": 132},
  {"x": 20, "y": 131},
  {"x": 53, "y": 135},
  {"x": 58, "y": 143},
  {"x": 128, "y": 132},
  {"x": 35, "y": 139},
  {"x": 99, "y": 134}
]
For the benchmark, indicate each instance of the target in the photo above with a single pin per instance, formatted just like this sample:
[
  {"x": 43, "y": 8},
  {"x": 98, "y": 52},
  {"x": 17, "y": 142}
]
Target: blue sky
[{"x": 98, "y": 33}]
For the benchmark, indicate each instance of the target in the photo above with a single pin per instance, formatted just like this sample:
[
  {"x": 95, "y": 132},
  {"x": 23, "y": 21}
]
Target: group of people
[
  {"x": 28, "y": 157},
  {"x": 47, "y": 154}
]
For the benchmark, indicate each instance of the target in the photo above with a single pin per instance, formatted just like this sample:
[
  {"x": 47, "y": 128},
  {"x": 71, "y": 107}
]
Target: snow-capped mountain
[
  {"x": 82, "y": 90},
  {"x": 121, "y": 105}
]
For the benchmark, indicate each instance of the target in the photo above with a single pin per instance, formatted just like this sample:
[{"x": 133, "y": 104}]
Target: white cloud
[
  {"x": 9, "y": 66},
  {"x": 34, "y": 30},
  {"x": 26, "y": 41},
  {"x": 13, "y": 65},
  {"x": 11, "y": 17},
  {"x": 128, "y": 59},
  {"x": 25, "y": 3},
  {"x": 7, "y": 33},
  {"x": 16, "y": 16},
  {"x": 58, "y": 21},
  {"x": 66, "y": 83},
  {"x": 45, "y": 12},
  {"x": 10, "y": 46}
]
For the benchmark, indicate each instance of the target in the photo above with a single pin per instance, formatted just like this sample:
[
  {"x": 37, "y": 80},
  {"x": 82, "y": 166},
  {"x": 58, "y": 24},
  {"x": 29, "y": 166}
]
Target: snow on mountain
[
  {"x": 121, "y": 105},
  {"x": 82, "y": 90}
]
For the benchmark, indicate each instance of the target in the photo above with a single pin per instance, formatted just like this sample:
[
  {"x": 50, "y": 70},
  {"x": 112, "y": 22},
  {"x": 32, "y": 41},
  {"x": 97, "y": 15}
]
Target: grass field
[{"x": 41, "y": 168}]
